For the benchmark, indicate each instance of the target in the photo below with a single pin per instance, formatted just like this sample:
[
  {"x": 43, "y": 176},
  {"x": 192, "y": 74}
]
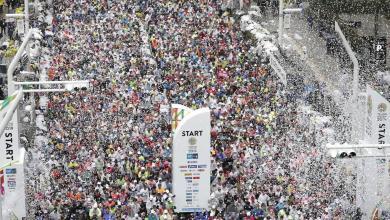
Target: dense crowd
[{"x": 110, "y": 146}]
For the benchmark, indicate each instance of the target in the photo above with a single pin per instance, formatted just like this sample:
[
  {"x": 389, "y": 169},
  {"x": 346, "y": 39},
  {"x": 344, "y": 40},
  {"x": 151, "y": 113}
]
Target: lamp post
[
  {"x": 12, "y": 67},
  {"x": 355, "y": 82},
  {"x": 280, "y": 38},
  {"x": 26, "y": 17}
]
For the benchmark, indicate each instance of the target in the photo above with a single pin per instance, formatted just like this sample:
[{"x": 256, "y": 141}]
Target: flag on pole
[{"x": 6, "y": 101}]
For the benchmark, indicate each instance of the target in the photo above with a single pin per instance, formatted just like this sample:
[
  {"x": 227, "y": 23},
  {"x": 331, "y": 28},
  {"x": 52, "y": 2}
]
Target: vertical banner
[
  {"x": 287, "y": 21},
  {"x": 14, "y": 202},
  {"x": 9, "y": 142},
  {"x": 362, "y": 113},
  {"x": 375, "y": 170},
  {"x": 12, "y": 176},
  {"x": 20, "y": 26},
  {"x": 370, "y": 185},
  {"x": 377, "y": 121},
  {"x": 191, "y": 161},
  {"x": 360, "y": 182}
]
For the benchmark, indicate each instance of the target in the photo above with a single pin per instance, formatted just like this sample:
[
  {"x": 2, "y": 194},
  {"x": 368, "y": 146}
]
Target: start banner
[
  {"x": 191, "y": 161},
  {"x": 377, "y": 118},
  {"x": 12, "y": 173}
]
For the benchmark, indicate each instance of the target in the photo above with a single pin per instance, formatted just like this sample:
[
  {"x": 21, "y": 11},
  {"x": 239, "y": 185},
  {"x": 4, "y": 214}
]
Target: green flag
[{"x": 6, "y": 101}]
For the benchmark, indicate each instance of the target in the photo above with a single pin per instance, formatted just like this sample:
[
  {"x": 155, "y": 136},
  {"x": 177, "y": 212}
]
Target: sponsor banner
[
  {"x": 14, "y": 202},
  {"x": 373, "y": 175},
  {"x": 191, "y": 151},
  {"x": 377, "y": 119},
  {"x": 373, "y": 182}
]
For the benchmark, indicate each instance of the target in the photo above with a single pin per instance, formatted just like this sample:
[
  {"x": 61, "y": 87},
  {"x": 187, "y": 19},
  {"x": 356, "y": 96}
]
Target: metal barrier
[{"x": 278, "y": 68}]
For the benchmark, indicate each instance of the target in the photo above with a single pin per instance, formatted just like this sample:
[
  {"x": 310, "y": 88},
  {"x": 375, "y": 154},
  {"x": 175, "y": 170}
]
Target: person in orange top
[{"x": 160, "y": 190}]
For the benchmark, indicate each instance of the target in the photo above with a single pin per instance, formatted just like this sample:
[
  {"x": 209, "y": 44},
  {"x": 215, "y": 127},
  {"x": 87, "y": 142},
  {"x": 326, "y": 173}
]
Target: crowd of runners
[{"x": 109, "y": 151}]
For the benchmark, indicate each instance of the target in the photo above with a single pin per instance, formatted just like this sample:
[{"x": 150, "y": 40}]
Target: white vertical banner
[
  {"x": 378, "y": 118},
  {"x": 362, "y": 113},
  {"x": 370, "y": 185},
  {"x": 375, "y": 171},
  {"x": 9, "y": 142},
  {"x": 375, "y": 186},
  {"x": 191, "y": 162},
  {"x": 20, "y": 26},
  {"x": 287, "y": 21},
  {"x": 360, "y": 182},
  {"x": 14, "y": 192},
  {"x": 14, "y": 202}
]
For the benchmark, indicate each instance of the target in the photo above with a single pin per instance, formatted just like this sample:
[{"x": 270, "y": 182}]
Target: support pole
[
  {"x": 15, "y": 60},
  {"x": 26, "y": 29},
  {"x": 280, "y": 38},
  {"x": 32, "y": 113},
  {"x": 292, "y": 10},
  {"x": 26, "y": 17},
  {"x": 355, "y": 83},
  {"x": 77, "y": 82}
]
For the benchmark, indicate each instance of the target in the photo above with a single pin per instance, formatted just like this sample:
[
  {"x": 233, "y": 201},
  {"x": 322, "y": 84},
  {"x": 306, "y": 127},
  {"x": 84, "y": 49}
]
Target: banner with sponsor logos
[
  {"x": 373, "y": 173},
  {"x": 377, "y": 119},
  {"x": 14, "y": 202},
  {"x": 12, "y": 175},
  {"x": 191, "y": 161}
]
